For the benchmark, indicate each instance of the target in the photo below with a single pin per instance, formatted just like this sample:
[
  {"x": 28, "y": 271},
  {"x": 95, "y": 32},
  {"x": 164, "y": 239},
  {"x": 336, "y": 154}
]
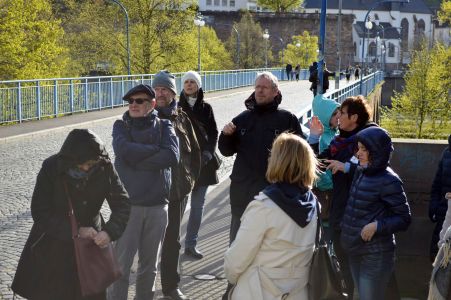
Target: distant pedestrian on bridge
[
  {"x": 314, "y": 79},
  {"x": 82, "y": 170},
  {"x": 204, "y": 124},
  {"x": 183, "y": 175},
  {"x": 146, "y": 149},
  {"x": 288, "y": 69},
  {"x": 274, "y": 246}
]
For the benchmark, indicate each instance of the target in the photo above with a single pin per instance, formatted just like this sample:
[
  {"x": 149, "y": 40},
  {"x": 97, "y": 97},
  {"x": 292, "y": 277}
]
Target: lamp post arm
[
  {"x": 238, "y": 43},
  {"x": 126, "y": 31}
]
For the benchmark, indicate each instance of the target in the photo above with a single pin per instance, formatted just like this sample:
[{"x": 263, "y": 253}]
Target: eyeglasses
[{"x": 137, "y": 100}]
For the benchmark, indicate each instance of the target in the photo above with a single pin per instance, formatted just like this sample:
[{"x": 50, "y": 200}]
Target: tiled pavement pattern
[{"x": 22, "y": 156}]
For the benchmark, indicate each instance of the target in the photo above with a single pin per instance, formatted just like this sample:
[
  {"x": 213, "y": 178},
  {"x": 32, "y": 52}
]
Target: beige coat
[{"x": 271, "y": 254}]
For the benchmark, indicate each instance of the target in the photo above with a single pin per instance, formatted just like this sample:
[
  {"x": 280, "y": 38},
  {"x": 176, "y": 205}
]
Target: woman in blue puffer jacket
[{"x": 377, "y": 208}]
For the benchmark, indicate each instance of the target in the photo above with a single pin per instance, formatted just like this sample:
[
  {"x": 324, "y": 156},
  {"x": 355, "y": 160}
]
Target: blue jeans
[
  {"x": 371, "y": 273},
  {"x": 195, "y": 215}
]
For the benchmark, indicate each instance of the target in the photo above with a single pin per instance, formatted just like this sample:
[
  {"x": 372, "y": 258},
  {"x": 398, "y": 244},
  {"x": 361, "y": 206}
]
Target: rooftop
[{"x": 414, "y": 6}]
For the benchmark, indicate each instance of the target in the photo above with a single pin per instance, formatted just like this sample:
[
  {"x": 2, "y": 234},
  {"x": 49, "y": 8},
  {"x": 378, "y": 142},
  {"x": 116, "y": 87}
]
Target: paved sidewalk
[{"x": 21, "y": 159}]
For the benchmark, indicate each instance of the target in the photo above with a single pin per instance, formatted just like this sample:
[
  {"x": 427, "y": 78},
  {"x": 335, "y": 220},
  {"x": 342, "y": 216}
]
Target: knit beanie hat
[
  {"x": 164, "y": 79},
  {"x": 193, "y": 75}
]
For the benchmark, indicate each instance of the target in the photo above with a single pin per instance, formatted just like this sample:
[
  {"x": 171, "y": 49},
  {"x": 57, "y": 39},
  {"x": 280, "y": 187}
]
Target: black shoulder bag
[{"x": 326, "y": 281}]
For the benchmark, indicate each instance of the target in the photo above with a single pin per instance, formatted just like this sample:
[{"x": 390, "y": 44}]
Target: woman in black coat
[
  {"x": 47, "y": 267},
  {"x": 204, "y": 124}
]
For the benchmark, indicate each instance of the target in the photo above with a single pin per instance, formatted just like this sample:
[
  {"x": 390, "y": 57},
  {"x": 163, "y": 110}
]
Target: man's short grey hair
[{"x": 270, "y": 76}]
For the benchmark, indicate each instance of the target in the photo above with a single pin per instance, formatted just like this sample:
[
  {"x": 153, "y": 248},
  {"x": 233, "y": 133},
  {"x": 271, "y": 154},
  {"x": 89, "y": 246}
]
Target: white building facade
[{"x": 412, "y": 21}]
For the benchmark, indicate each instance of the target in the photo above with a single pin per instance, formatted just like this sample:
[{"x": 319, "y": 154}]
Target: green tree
[
  {"x": 444, "y": 14},
  {"x": 280, "y": 6},
  {"x": 158, "y": 31},
  {"x": 30, "y": 40},
  {"x": 252, "y": 44},
  {"x": 95, "y": 40},
  {"x": 214, "y": 56},
  {"x": 423, "y": 109},
  {"x": 302, "y": 50}
]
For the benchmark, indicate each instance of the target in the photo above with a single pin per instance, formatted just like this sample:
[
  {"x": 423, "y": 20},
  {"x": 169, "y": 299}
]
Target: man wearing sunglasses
[
  {"x": 146, "y": 148},
  {"x": 184, "y": 176}
]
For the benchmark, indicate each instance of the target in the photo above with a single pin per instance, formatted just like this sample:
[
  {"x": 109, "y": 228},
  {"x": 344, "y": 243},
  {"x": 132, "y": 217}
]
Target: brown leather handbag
[{"x": 97, "y": 267}]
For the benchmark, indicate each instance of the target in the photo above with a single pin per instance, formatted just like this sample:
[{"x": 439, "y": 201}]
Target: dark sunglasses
[{"x": 137, "y": 100}]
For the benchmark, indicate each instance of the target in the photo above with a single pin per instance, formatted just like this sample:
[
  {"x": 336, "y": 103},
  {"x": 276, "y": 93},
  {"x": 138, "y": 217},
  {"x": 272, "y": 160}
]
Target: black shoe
[
  {"x": 175, "y": 295},
  {"x": 193, "y": 252}
]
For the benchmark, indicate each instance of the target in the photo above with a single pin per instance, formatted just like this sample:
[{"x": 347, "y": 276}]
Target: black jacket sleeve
[
  {"x": 436, "y": 193},
  {"x": 119, "y": 203},
  {"x": 43, "y": 210},
  {"x": 212, "y": 130}
]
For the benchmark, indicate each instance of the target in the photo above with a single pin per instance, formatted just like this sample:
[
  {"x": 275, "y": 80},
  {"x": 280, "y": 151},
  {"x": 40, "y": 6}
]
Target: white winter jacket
[{"x": 271, "y": 254}]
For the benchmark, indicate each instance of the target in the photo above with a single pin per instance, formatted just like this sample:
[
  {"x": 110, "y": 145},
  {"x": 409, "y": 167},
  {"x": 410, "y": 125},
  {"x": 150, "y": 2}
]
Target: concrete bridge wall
[{"x": 416, "y": 162}]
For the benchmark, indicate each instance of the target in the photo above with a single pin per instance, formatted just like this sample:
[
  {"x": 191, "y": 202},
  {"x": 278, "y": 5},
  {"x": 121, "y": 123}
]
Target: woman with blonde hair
[{"x": 271, "y": 255}]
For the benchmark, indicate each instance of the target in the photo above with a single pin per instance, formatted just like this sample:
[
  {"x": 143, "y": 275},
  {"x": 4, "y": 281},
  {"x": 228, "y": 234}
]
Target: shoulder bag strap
[{"x": 73, "y": 220}]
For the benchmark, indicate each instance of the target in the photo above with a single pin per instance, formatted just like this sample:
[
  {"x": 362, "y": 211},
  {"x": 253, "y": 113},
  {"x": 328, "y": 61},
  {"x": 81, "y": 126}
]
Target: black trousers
[{"x": 170, "y": 251}]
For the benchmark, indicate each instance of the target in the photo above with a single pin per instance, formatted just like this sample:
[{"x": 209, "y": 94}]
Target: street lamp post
[
  {"x": 283, "y": 46},
  {"x": 237, "y": 47},
  {"x": 365, "y": 20},
  {"x": 199, "y": 22},
  {"x": 127, "y": 33},
  {"x": 266, "y": 37}
]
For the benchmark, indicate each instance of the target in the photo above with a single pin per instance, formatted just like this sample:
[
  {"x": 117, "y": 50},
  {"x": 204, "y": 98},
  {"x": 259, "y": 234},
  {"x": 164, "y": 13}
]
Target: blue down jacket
[{"x": 376, "y": 195}]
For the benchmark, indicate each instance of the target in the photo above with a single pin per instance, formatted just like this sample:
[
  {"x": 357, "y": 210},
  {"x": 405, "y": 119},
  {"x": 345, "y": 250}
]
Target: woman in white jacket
[{"x": 271, "y": 255}]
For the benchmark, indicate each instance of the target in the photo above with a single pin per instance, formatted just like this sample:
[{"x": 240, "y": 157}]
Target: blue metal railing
[
  {"x": 22, "y": 100},
  {"x": 35, "y": 99},
  {"x": 352, "y": 89}
]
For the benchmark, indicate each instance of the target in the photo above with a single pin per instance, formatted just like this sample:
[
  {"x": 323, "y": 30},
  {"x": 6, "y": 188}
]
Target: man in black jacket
[
  {"x": 183, "y": 177},
  {"x": 250, "y": 136}
]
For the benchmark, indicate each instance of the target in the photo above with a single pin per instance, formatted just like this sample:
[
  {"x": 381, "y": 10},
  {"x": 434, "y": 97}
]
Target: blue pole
[{"x": 322, "y": 41}]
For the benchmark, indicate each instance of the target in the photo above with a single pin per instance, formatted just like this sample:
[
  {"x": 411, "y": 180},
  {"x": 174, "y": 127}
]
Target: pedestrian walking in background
[
  {"x": 146, "y": 148},
  {"x": 273, "y": 249},
  {"x": 47, "y": 266},
  {"x": 314, "y": 79},
  {"x": 183, "y": 176},
  {"x": 438, "y": 204},
  {"x": 353, "y": 116},
  {"x": 348, "y": 73},
  {"x": 357, "y": 72},
  {"x": 376, "y": 209},
  {"x": 297, "y": 70},
  {"x": 288, "y": 69},
  {"x": 204, "y": 124},
  {"x": 250, "y": 136}
]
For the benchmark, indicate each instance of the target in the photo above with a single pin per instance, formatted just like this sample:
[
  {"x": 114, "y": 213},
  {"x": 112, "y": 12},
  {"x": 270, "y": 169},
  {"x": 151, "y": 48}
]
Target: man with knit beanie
[
  {"x": 183, "y": 176},
  {"x": 204, "y": 124}
]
